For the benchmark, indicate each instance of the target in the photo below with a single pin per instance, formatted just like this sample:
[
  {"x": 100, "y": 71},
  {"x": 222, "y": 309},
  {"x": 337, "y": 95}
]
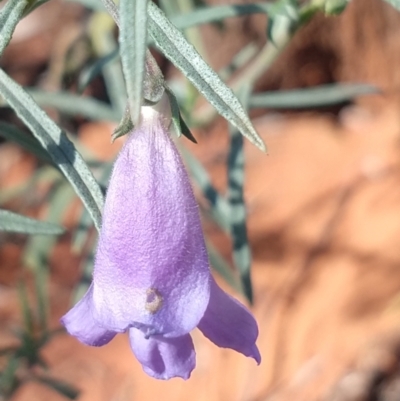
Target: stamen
[{"x": 154, "y": 300}]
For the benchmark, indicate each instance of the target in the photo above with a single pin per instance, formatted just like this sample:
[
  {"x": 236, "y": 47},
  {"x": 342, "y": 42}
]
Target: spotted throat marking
[{"x": 154, "y": 300}]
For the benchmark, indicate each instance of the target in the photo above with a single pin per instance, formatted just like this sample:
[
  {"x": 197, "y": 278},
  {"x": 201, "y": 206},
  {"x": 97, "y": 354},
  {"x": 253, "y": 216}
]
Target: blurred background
[{"x": 323, "y": 208}]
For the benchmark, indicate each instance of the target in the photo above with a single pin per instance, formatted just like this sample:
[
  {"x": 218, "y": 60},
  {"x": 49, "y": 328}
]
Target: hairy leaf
[
  {"x": 176, "y": 48},
  {"x": 133, "y": 46},
  {"x": 9, "y": 18}
]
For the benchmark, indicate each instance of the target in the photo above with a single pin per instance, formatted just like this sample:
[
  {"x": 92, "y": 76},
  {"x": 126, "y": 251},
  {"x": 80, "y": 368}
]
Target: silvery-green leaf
[
  {"x": 203, "y": 15},
  {"x": 133, "y": 46},
  {"x": 210, "y": 14},
  {"x": 153, "y": 85},
  {"x": 10, "y": 15},
  {"x": 221, "y": 266},
  {"x": 73, "y": 105},
  {"x": 319, "y": 96},
  {"x": 101, "y": 32},
  {"x": 238, "y": 228},
  {"x": 218, "y": 206},
  {"x": 54, "y": 140},
  {"x": 91, "y": 4},
  {"x": 283, "y": 18},
  {"x": 169, "y": 7},
  {"x": 38, "y": 248},
  {"x": 181, "y": 53},
  {"x": 15, "y": 223}
]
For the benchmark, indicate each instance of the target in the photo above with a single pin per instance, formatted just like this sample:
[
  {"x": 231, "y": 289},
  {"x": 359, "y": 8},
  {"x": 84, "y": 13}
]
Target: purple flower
[{"x": 151, "y": 274}]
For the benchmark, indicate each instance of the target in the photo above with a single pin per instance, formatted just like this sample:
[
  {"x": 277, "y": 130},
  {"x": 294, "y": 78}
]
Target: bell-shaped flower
[{"x": 151, "y": 274}]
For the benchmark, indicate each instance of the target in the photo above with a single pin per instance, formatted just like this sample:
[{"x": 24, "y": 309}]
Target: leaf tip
[{"x": 259, "y": 143}]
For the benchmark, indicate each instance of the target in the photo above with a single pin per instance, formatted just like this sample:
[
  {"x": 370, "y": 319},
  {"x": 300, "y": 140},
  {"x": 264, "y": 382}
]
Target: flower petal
[
  {"x": 151, "y": 268},
  {"x": 228, "y": 324},
  {"x": 164, "y": 358},
  {"x": 80, "y": 322}
]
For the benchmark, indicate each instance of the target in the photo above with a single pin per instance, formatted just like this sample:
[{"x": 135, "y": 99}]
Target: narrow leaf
[
  {"x": 74, "y": 105},
  {"x": 133, "y": 46},
  {"x": 320, "y": 96},
  {"x": 153, "y": 85},
  {"x": 238, "y": 228},
  {"x": 169, "y": 7},
  {"x": 15, "y": 223},
  {"x": 222, "y": 267},
  {"x": 9, "y": 18},
  {"x": 91, "y": 4},
  {"x": 101, "y": 31},
  {"x": 203, "y": 15},
  {"x": 219, "y": 207},
  {"x": 283, "y": 19},
  {"x": 38, "y": 249},
  {"x": 181, "y": 53},
  {"x": 217, "y": 13},
  {"x": 54, "y": 140}
]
